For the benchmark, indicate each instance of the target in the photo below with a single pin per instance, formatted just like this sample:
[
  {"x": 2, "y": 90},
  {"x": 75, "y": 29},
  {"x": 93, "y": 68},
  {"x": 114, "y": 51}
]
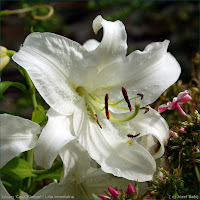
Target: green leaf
[
  {"x": 53, "y": 175},
  {"x": 39, "y": 116},
  {"x": 4, "y": 85},
  {"x": 196, "y": 154},
  {"x": 18, "y": 169}
]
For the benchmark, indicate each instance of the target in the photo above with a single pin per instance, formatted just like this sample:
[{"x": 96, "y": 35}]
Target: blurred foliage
[
  {"x": 155, "y": 21},
  {"x": 181, "y": 175},
  {"x": 127, "y": 7},
  {"x": 53, "y": 24}
]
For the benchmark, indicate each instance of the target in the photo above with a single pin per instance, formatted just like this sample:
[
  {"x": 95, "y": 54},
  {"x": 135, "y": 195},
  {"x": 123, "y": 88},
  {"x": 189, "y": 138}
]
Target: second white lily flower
[{"x": 75, "y": 79}]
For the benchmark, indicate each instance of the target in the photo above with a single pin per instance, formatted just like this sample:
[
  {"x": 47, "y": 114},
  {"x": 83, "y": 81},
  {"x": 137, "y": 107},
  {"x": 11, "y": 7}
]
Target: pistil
[
  {"x": 137, "y": 108},
  {"x": 94, "y": 103}
]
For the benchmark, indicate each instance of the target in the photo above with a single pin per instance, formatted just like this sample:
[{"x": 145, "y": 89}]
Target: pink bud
[
  {"x": 174, "y": 133},
  {"x": 164, "y": 180},
  {"x": 113, "y": 192},
  {"x": 130, "y": 189},
  {"x": 198, "y": 122},
  {"x": 104, "y": 196},
  {"x": 182, "y": 130}
]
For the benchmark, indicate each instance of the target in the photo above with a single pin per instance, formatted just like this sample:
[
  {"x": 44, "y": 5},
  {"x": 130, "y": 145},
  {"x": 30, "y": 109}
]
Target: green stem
[
  {"x": 24, "y": 10},
  {"x": 34, "y": 102},
  {"x": 55, "y": 167},
  {"x": 10, "y": 53},
  {"x": 31, "y": 89},
  {"x": 13, "y": 66},
  {"x": 30, "y": 160},
  {"x": 197, "y": 172}
]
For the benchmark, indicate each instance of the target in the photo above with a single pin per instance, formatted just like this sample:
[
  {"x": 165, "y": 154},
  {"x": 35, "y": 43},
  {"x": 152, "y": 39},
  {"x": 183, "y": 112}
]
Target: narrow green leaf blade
[
  {"x": 4, "y": 85},
  {"x": 53, "y": 175}
]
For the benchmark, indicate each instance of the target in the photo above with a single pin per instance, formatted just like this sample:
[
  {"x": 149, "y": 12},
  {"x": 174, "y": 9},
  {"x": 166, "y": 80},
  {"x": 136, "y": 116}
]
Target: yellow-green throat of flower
[{"x": 95, "y": 102}]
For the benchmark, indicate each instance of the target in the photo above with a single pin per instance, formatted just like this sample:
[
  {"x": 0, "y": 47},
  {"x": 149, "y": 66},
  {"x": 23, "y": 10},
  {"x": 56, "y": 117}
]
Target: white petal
[
  {"x": 54, "y": 63},
  {"x": 17, "y": 135},
  {"x": 59, "y": 191},
  {"x": 79, "y": 122},
  {"x": 114, "y": 153},
  {"x": 76, "y": 160},
  {"x": 91, "y": 45},
  {"x": 57, "y": 133},
  {"x": 151, "y": 125},
  {"x": 149, "y": 72},
  {"x": 96, "y": 182},
  {"x": 113, "y": 45}
]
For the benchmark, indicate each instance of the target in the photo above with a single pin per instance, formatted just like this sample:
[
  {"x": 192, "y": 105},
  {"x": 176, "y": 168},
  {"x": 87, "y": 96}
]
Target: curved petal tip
[{"x": 96, "y": 25}]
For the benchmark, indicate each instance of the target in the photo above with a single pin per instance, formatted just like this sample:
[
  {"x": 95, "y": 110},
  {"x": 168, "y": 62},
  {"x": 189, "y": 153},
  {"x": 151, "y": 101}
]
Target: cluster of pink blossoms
[{"x": 114, "y": 194}]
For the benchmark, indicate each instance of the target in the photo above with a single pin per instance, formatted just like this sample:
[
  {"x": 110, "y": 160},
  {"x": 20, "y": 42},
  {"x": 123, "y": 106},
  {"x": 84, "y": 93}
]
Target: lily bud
[{"x": 4, "y": 57}]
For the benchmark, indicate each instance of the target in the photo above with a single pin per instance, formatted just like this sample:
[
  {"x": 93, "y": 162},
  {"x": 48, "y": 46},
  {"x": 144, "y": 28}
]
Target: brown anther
[
  {"x": 96, "y": 119},
  {"x": 124, "y": 92},
  {"x": 132, "y": 136},
  {"x": 106, "y": 106},
  {"x": 146, "y": 110},
  {"x": 141, "y": 95}
]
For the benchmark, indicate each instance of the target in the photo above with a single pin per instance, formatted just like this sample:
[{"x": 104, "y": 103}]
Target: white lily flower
[
  {"x": 80, "y": 181},
  {"x": 17, "y": 135},
  {"x": 74, "y": 80}
]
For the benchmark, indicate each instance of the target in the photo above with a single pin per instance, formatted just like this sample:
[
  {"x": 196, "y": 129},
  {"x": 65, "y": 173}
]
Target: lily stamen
[
  {"x": 141, "y": 95},
  {"x": 94, "y": 104},
  {"x": 106, "y": 106},
  {"x": 132, "y": 136},
  {"x": 146, "y": 109},
  {"x": 124, "y": 92},
  {"x": 96, "y": 119}
]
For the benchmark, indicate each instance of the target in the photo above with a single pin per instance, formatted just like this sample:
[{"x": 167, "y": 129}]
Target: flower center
[{"x": 95, "y": 102}]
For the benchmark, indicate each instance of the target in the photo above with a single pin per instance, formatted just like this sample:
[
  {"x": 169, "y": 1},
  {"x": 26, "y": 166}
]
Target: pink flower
[
  {"x": 182, "y": 97},
  {"x": 130, "y": 189}
]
